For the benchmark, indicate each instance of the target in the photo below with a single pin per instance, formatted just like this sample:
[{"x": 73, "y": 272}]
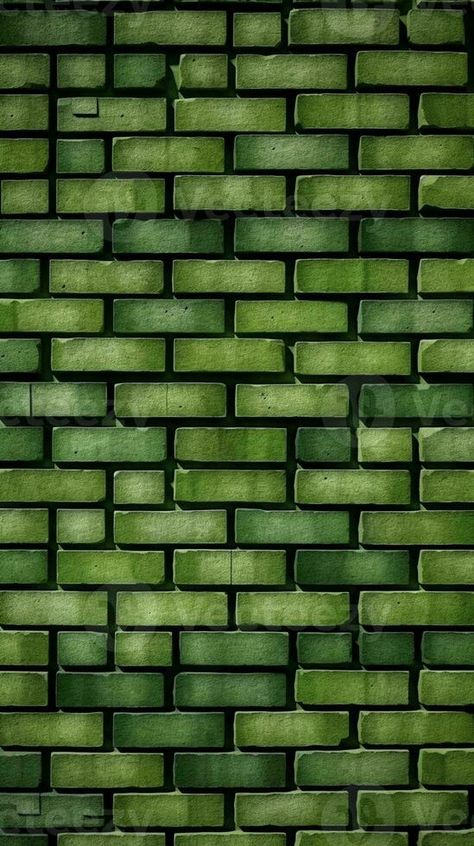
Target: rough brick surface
[{"x": 236, "y": 423}]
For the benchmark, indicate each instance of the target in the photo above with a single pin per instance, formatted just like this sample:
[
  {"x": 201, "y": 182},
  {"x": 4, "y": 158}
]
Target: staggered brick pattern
[{"x": 237, "y": 440}]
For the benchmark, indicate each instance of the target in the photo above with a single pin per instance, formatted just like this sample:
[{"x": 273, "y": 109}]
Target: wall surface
[{"x": 237, "y": 440}]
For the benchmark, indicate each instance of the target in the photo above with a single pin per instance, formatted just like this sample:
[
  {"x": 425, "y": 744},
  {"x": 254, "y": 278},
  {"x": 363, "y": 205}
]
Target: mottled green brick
[
  {"x": 81, "y": 155},
  {"x": 109, "y": 444},
  {"x": 446, "y": 111},
  {"x": 355, "y": 766},
  {"x": 143, "y": 527},
  {"x": 411, "y": 807},
  {"x": 82, "y": 649},
  {"x": 200, "y": 276},
  {"x": 110, "y": 565},
  {"x": 52, "y": 729},
  {"x": 167, "y": 236},
  {"x": 143, "y": 649},
  {"x": 296, "y": 609},
  {"x": 229, "y": 769},
  {"x": 235, "y": 193},
  {"x": 290, "y": 235},
  {"x": 291, "y": 809},
  {"x": 352, "y": 486},
  {"x": 422, "y": 400},
  {"x": 25, "y": 196},
  {"x": 175, "y": 729},
  {"x": 415, "y": 728},
  {"x": 107, "y": 354},
  {"x": 81, "y": 71},
  {"x": 416, "y": 235},
  {"x": 450, "y": 276},
  {"x": 19, "y": 276},
  {"x": 381, "y": 446},
  {"x": 230, "y": 444},
  {"x": 202, "y": 71},
  {"x": 109, "y": 196},
  {"x": 52, "y": 236},
  {"x": 168, "y": 155},
  {"x": 169, "y": 810},
  {"x": 111, "y": 114},
  {"x": 353, "y": 193},
  {"x": 293, "y": 400},
  {"x": 448, "y": 648},
  {"x": 83, "y": 526},
  {"x": 139, "y": 487},
  {"x": 351, "y": 566},
  {"x": 186, "y": 399},
  {"x": 76, "y": 276},
  {"x": 411, "y": 68},
  {"x": 446, "y": 687},
  {"x": 239, "y": 355},
  {"x": 47, "y": 29},
  {"x": 445, "y": 567},
  {"x": 341, "y": 358},
  {"x": 257, "y": 29},
  {"x": 416, "y": 152},
  {"x": 291, "y": 152},
  {"x": 24, "y": 70},
  {"x": 173, "y": 608},
  {"x": 420, "y": 607},
  {"x": 238, "y": 690},
  {"x": 351, "y": 276},
  {"x": 224, "y": 566},
  {"x": 412, "y": 317},
  {"x": 433, "y": 27},
  {"x": 229, "y": 486},
  {"x": 53, "y": 608},
  {"x": 408, "y": 528},
  {"x": 23, "y": 566},
  {"x": 20, "y": 769},
  {"x": 324, "y": 648},
  {"x": 139, "y": 70},
  {"x": 287, "y": 527},
  {"x": 301, "y": 728},
  {"x": 394, "y": 648},
  {"x": 171, "y": 28},
  {"x": 106, "y": 770},
  {"x": 70, "y": 399},
  {"x": 291, "y": 71},
  {"x": 24, "y": 112},
  {"x": 25, "y": 648},
  {"x": 24, "y": 155},
  {"x": 109, "y": 690},
  {"x": 355, "y": 687},
  {"x": 344, "y": 26},
  {"x": 227, "y": 114},
  {"x": 352, "y": 111}
]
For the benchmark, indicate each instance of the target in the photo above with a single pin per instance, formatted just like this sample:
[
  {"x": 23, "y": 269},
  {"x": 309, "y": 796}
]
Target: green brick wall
[{"x": 237, "y": 423}]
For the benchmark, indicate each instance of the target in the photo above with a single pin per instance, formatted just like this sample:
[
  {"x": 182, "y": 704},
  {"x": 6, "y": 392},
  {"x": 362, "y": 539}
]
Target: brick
[
  {"x": 445, "y": 687},
  {"x": 139, "y": 487},
  {"x": 295, "y": 400},
  {"x": 73, "y": 399},
  {"x": 139, "y": 70},
  {"x": 292, "y": 71},
  {"x": 52, "y": 236},
  {"x": 22, "y": 356},
  {"x": 445, "y": 767},
  {"x": 40, "y": 484},
  {"x": 23, "y": 566},
  {"x": 351, "y": 566},
  {"x": 234, "y": 648},
  {"x": 416, "y": 152},
  {"x": 341, "y": 358},
  {"x": 445, "y": 276},
  {"x": 358, "y": 687},
  {"x": 19, "y": 276},
  {"x": 414, "y": 317},
  {"x": 202, "y": 71},
  {"x": 25, "y": 197},
  {"x": 325, "y": 444},
  {"x": 236, "y": 193},
  {"x": 293, "y": 610},
  {"x": 77, "y": 649},
  {"x": 446, "y": 485},
  {"x": 80, "y": 155},
  {"x": 173, "y": 608},
  {"x": 165, "y": 316},
  {"x": 414, "y": 68},
  {"x": 291, "y": 152},
  {"x": 143, "y": 649},
  {"x": 286, "y": 527},
  {"x": 300, "y": 728},
  {"x": 24, "y": 525},
  {"x": 109, "y": 354},
  {"x": 344, "y": 26},
  {"x": 357, "y": 838},
  {"x": 198, "y": 276},
  {"x": 244, "y": 355},
  {"x": 53, "y": 608},
  {"x": 20, "y": 769},
  {"x": 143, "y": 527},
  {"x": 352, "y": 193},
  {"x": 164, "y": 810},
  {"x": 24, "y": 112},
  {"x": 424, "y": 608},
  {"x": 173, "y": 28},
  {"x": 230, "y": 444},
  {"x": 257, "y": 29},
  {"x": 411, "y": 807},
  {"x": 415, "y": 728},
  {"x": 59, "y": 315},
  {"x": 186, "y": 399},
  {"x": 109, "y": 444},
  {"x": 51, "y": 729},
  {"x": 229, "y": 485},
  {"x": 76, "y": 71},
  {"x": 415, "y": 236},
  {"x": 175, "y": 729},
  {"x": 34, "y": 810},
  {"x": 75, "y": 276},
  {"x": 351, "y": 276},
  {"x": 167, "y": 236},
  {"x": 445, "y": 192},
  {"x": 291, "y": 809},
  {"x": 238, "y": 690},
  {"x": 24, "y": 155},
  {"x": 168, "y": 155},
  {"x": 111, "y": 114},
  {"x": 48, "y": 29},
  {"x": 109, "y": 690},
  {"x": 423, "y": 400},
  {"x": 382, "y": 446},
  {"x": 238, "y": 566},
  {"x": 394, "y": 648},
  {"x": 440, "y": 528},
  {"x": 227, "y": 114},
  {"x": 290, "y": 235},
  {"x": 352, "y": 486},
  {"x": 324, "y": 648},
  {"x": 429, "y": 27},
  {"x": 109, "y": 196},
  {"x": 24, "y": 70},
  {"x": 446, "y": 111},
  {"x": 106, "y": 770},
  {"x": 25, "y": 648},
  {"x": 114, "y": 566},
  {"x": 448, "y": 648},
  {"x": 352, "y": 111},
  {"x": 356, "y": 766},
  {"x": 229, "y": 769},
  {"x": 439, "y": 566}
]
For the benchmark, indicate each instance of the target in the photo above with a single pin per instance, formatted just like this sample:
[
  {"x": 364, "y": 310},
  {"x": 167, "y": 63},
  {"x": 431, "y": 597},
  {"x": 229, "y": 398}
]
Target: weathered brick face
[{"x": 237, "y": 423}]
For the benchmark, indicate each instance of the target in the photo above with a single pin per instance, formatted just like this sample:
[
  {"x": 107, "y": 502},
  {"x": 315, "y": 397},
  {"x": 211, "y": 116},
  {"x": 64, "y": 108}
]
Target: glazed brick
[
  {"x": 199, "y": 276},
  {"x": 83, "y": 196},
  {"x": 286, "y": 527},
  {"x": 230, "y": 444},
  {"x": 300, "y": 728},
  {"x": 165, "y": 810},
  {"x": 352, "y": 486},
  {"x": 359, "y": 766},
  {"x": 106, "y": 769},
  {"x": 291, "y": 609},
  {"x": 351, "y": 276},
  {"x": 236, "y": 193},
  {"x": 352, "y": 111},
  {"x": 241, "y": 355},
  {"x": 353, "y": 357},
  {"x": 414, "y": 728},
  {"x": 186, "y": 399},
  {"x": 230, "y": 769},
  {"x": 448, "y": 648},
  {"x": 291, "y": 809},
  {"x": 229, "y": 485},
  {"x": 174, "y": 608},
  {"x": 429, "y": 27},
  {"x": 344, "y": 26},
  {"x": 294, "y": 400},
  {"x": 238, "y": 690},
  {"x": 345, "y": 687},
  {"x": 176, "y": 729},
  {"x": 292, "y": 71},
  {"x": 167, "y": 155},
  {"x": 73, "y": 276},
  {"x": 291, "y": 152},
  {"x": 439, "y": 566},
  {"x": 111, "y": 114},
  {"x": 324, "y": 648},
  {"x": 234, "y": 648},
  {"x": 414, "y": 68},
  {"x": 411, "y": 807},
  {"x": 109, "y": 444},
  {"x": 424, "y": 608},
  {"x": 351, "y": 566},
  {"x": 416, "y": 152},
  {"x": 225, "y": 114},
  {"x": 174, "y": 28},
  {"x": 295, "y": 235},
  {"x": 114, "y": 566}
]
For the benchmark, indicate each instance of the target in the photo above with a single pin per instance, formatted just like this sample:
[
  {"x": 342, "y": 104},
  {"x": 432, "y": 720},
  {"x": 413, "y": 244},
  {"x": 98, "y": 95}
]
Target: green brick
[
  {"x": 59, "y": 315},
  {"x": 53, "y": 608},
  {"x": 232, "y": 838},
  {"x": 448, "y": 648},
  {"x": 291, "y": 809},
  {"x": 446, "y": 767},
  {"x": 356, "y": 687},
  {"x": 394, "y": 648},
  {"x": 292, "y": 610},
  {"x": 324, "y": 648},
  {"x": 230, "y": 444},
  {"x": 416, "y": 152},
  {"x": 24, "y": 70},
  {"x": 414, "y": 68},
  {"x": 171, "y": 28},
  {"x": 352, "y": 111},
  {"x": 229, "y": 769},
  {"x": 109, "y": 354},
  {"x": 143, "y": 649},
  {"x": 139, "y": 70},
  {"x": 174, "y": 608},
  {"x": 446, "y": 485},
  {"x": 52, "y": 236},
  {"x": 407, "y": 528},
  {"x": 109, "y": 196},
  {"x": 22, "y": 356},
  {"x": 109, "y": 690},
  {"x": 166, "y": 316},
  {"x": 238, "y": 690},
  {"x": 75, "y": 276},
  {"x": 446, "y": 111},
  {"x": 423, "y": 400},
  {"x": 111, "y": 114},
  {"x": 20, "y": 769},
  {"x": 235, "y": 193},
  {"x": 81, "y": 71},
  {"x": 51, "y": 729},
  {"x": 415, "y": 317},
  {"x": 47, "y": 29},
  {"x": 291, "y": 71},
  {"x": 352, "y": 486},
  {"x": 293, "y": 400},
  {"x": 40, "y": 485},
  {"x": 115, "y": 444},
  {"x": 352, "y": 193},
  {"x": 341, "y": 358},
  {"x": 82, "y": 649},
  {"x": 24, "y": 112},
  {"x": 25, "y": 648},
  {"x": 439, "y": 566},
  {"x": 355, "y": 766},
  {"x": 415, "y": 728},
  {"x": 23, "y": 566},
  {"x": 106, "y": 770},
  {"x": 382, "y": 446},
  {"x": 111, "y": 837},
  {"x": 448, "y": 276},
  {"x": 25, "y": 196},
  {"x": 167, "y": 236},
  {"x": 291, "y": 152},
  {"x": 83, "y": 155},
  {"x": 445, "y": 687},
  {"x": 202, "y": 71},
  {"x": 351, "y": 838},
  {"x": 415, "y": 235},
  {"x": 168, "y": 155},
  {"x": 186, "y": 399},
  {"x": 295, "y": 316},
  {"x": 344, "y": 26},
  {"x": 227, "y": 114},
  {"x": 411, "y": 807},
  {"x": 23, "y": 689},
  {"x": 323, "y": 445},
  {"x": 198, "y": 276},
  {"x": 74, "y": 399},
  {"x": 183, "y": 527},
  {"x": 139, "y": 487},
  {"x": 175, "y": 729},
  {"x": 80, "y": 526},
  {"x": 24, "y": 155},
  {"x": 445, "y": 192},
  {"x": 257, "y": 29},
  {"x": 19, "y": 276},
  {"x": 238, "y": 566},
  {"x": 416, "y": 608},
  {"x": 169, "y": 810},
  {"x": 290, "y": 235},
  {"x": 300, "y": 728},
  {"x": 430, "y": 27},
  {"x": 229, "y": 485},
  {"x": 23, "y": 525},
  {"x": 36, "y": 810},
  {"x": 110, "y": 565},
  {"x": 351, "y": 566},
  {"x": 351, "y": 276},
  {"x": 244, "y": 355},
  {"x": 288, "y": 527}
]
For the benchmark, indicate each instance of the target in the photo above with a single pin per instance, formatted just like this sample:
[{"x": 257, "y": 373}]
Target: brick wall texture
[{"x": 237, "y": 424}]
